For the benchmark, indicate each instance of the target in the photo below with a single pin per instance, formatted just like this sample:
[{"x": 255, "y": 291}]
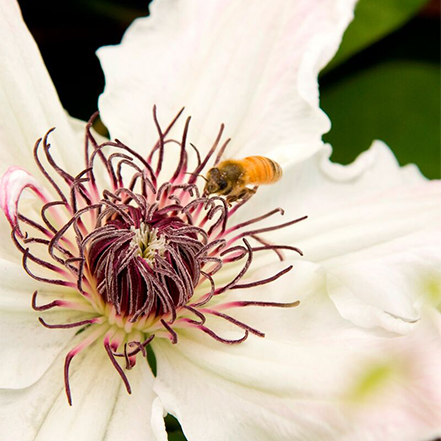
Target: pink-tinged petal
[
  {"x": 250, "y": 65},
  {"x": 12, "y": 185},
  {"x": 30, "y": 105},
  {"x": 8, "y": 250}
]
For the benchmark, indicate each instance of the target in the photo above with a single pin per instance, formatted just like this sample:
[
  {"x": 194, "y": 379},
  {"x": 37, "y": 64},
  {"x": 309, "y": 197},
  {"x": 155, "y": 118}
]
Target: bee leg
[
  {"x": 252, "y": 191},
  {"x": 247, "y": 193},
  {"x": 231, "y": 199},
  {"x": 243, "y": 195}
]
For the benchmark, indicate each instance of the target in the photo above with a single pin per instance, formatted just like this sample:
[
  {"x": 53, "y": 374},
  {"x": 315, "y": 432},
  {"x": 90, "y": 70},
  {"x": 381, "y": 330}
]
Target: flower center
[
  {"x": 147, "y": 243},
  {"x": 140, "y": 255},
  {"x": 146, "y": 262}
]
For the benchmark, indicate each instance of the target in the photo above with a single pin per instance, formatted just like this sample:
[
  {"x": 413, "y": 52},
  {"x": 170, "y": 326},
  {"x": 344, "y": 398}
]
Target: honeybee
[{"x": 231, "y": 177}]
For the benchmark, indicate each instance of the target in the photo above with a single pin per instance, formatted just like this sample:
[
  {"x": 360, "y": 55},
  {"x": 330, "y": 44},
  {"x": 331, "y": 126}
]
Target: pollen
[{"x": 147, "y": 243}]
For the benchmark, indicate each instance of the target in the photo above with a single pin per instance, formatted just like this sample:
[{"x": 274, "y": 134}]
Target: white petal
[
  {"x": 315, "y": 185},
  {"x": 304, "y": 283},
  {"x": 139, "y": 416},
  {"x": 252, "y": 66},
  {"x": 100, "y": 411},
  {"x": 373, "y": 225},
  {"x": 28, "y": 348},
  {"x": 29, "y": 105},
  {"x": 388, "y": 285},
  {"x": 292, "y": 384}
]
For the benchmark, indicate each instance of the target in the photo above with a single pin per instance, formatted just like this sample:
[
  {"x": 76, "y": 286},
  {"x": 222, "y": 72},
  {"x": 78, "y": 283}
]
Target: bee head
[{"x": 215, "y": 181}]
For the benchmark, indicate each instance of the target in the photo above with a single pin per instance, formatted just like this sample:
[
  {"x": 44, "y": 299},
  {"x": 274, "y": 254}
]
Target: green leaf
[
  {"x": 176, "y": 436},
  {"x": 174, "y": 429},
  {"x": 397, "y": 102},
  {"x": 374, "y": 19}
]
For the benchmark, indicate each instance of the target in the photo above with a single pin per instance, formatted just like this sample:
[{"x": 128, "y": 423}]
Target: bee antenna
[{"x": 195, "y": 174}]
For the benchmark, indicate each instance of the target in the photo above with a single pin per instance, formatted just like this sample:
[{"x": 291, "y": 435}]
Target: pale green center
[{"x": 148, "y": 243}]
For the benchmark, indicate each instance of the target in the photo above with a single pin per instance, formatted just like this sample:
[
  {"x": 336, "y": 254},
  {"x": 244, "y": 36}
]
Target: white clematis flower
[{"x": 121, "y": 261}]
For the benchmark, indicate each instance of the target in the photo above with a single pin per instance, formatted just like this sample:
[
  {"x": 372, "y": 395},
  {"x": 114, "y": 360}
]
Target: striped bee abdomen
[{"x": 260, "y": 170}]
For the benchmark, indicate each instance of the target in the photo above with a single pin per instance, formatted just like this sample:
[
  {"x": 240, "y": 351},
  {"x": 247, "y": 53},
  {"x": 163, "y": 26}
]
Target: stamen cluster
[{"x": 140, "y": 254}]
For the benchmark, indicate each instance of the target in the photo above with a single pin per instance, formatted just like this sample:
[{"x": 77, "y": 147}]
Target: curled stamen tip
[
  {"x": 50, "y": 131},
  {"x": 45, "y": 143},
  {"x": 92, "y": 119},
  {"x": 43, "y": 307}
]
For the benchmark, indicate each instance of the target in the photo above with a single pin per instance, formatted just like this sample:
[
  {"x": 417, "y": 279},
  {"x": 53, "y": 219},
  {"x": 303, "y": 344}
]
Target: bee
[{"x": 231, "y": 177}]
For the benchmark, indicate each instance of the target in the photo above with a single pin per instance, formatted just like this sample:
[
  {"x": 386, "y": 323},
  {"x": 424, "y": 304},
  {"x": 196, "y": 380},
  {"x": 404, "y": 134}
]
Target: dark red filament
[{"x": 96, "y": 250}]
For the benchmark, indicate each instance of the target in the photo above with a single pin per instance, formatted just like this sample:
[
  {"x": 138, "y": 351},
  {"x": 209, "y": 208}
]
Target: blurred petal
[
  {"x": 290, "y": 385},
  {"x": 250, "y": 65},
  {"x": 396, "y": 395},
  {"x": 373, "y": 225},
  {"x": 30, "y": 105},
  {"x": 101, "y": 410}
]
